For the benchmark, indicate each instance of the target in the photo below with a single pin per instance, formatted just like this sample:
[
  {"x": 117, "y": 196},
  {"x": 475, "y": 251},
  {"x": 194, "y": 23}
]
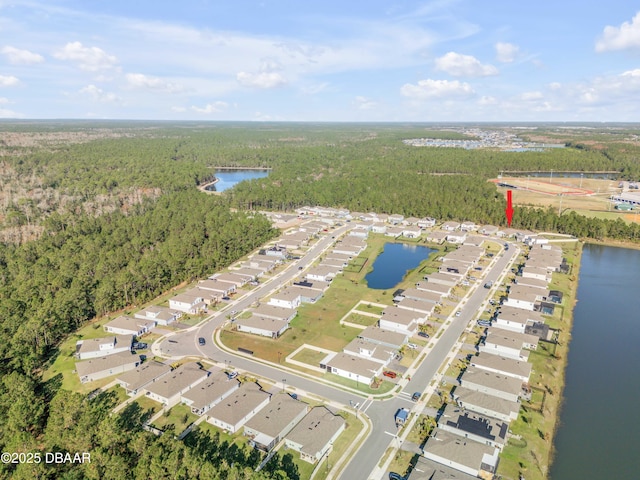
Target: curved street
[{"x": 379, "y": 411}]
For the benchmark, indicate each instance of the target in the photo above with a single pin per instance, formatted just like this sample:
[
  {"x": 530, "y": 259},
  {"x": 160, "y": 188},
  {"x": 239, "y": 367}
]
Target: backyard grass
[
  {"x": 148, "y": 405},
  {"x": 179, "y": 416},
  {"x": 364, "y": 320},
  {"x": 309, "y": 356},
  {"x": 384, "y": 387}
]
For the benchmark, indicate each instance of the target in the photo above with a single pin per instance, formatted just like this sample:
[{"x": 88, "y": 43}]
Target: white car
[
  {"x": 458, "y": 313},
  {"x": 412, "y": 346}
]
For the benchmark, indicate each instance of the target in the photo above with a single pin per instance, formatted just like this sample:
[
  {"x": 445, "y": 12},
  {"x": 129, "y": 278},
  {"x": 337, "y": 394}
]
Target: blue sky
[{"x": 291, "y": 60}]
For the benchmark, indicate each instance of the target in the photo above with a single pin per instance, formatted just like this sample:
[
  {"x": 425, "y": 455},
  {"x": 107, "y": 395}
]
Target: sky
[{"x": 329, "y": 60}]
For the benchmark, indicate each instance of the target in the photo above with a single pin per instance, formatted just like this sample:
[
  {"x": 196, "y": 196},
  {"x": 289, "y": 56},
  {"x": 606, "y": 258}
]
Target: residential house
[
  {"x": 238, "y": 408},
  {"x": 525, "y": 300},
  {"x": 275, "y": 421},
  {"x": 516, "y": 319},
  {"x": 250, "y": 273},
  {"x": 411, "y": 232},
  {"x": 123, "y": 325},
  {"x": 532, "y": 282},
  {"x": 502, "y": 386},
  {"x": 372, "y": 351},
  {"x": 395, "y": 219},
  {"x": 422, "y": 295},
  {"x": 211, "y": 391},
  {"x": 436, "y": 237},
  {"x": 426, "y": 222},
  {"x": 474, "y": 426},
  {"x": 231, "y": 277},
  {"x": 486, "y": 404},
  {"x": 384, "y": 337},
  {"x": 400, "y": 320},
  {"x": 314, "y": 436},
  {"x": 102, "y": 367},
  {"x": 474, "y": 241},
  {"x": 99, "y": 347},
  {"x": 188, "y": 303},
  {"x": 362, "y": 370},
  {"x": 456, "y": 237},
  {"x": 473, "y": 458},
  {"x": 488, "y": 230},
  {"x": 168, "y": 389},
  {"x": 455, "y": 267},
  {"x": 502, "y": 365},
  {"x": 450, "y": 279},
  {"x": 158, "y": 314},
  {"x": 537, "y": 273},
  {"x": 323, "y": 273},
  {"x": 135, "y": 380},
  {"x": 438, "y": 288},
  {"x": 379, "y": 227},
  {"x": 418, "y": 306},
  {"x": 265, "y": 327},
  {"x": 450, "y": 226},
  {"x": 286, "y": 298},
  {"x": 394, "y": 232},
  {"x": 218, "y": 286},
  {"x": 266, "y": 310},
  {"x": 509, "y": 344}
]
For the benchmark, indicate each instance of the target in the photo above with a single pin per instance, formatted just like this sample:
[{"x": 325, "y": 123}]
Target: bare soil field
[{"x": 585, "y": 196}]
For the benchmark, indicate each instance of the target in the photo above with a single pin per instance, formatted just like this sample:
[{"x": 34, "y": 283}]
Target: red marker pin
[{"x": 509, "y": 209}]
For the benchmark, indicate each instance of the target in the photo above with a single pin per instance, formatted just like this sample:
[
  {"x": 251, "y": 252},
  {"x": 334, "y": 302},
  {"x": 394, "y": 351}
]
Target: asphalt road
[{"x": 381, "y": 412}]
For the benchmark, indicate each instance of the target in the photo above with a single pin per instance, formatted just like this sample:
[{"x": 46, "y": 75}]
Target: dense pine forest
[{"x": 97, "y": 217}]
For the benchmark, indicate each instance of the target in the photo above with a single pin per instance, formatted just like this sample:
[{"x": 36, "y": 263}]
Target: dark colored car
[
  {"x": 139, "y": 346},
  {"x": 416, "y": 396},
  {"x": 423, "y": 334},
  {"x": 201, "y": 341},
  {"x": 395, "y": 476}
]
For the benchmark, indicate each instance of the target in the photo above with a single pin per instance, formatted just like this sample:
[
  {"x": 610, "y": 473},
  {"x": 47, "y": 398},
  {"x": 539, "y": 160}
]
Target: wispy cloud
[
  {"x": 17, "y": 56},
  {"x": 506, "y": 52},
  {"x": 215, "y": 107},
  {"x": 437, "y": 89},
  {"x": 261, "y": 79},
  {"x": 96, "y": 93},
  {"x": 146, "y": 82}
]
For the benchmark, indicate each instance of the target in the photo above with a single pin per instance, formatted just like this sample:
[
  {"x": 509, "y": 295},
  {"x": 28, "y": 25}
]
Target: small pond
[{"x": 394, "y": 262}]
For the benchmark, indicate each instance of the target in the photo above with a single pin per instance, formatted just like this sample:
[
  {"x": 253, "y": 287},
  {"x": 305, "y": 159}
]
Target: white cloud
[
  {"x": 98, "y": 94},
  {"x": 430, "y": 89},
  {"x": 626, "y": 36},
  {"x": 91, "y": 59},
  {"x": 555, "y": 85},
  {"x": 4, "y": 101},
  {"x": 506, "y": 52},
  {"x": 460, "y": 65},
  {"x": 487, "y": 100},
  {"x": 632, "y": 73},
  {"x": 178, "y": 109},
  {"x": 363, "y": 103},
  {"x": 8, "y": 81},
  {"x": 4, "y": 113},
  {"x": 139, "y": 80},
  {"x": 262, "y": 80},
  {"x": 215, "y": 107},
  {"x": 17, "y": 56},
  {"x": 528, "y": 96}
]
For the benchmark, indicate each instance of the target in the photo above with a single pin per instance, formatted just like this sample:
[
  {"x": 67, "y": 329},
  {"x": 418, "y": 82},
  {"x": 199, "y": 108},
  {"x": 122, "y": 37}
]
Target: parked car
[
  {"x": 484, "y": 323},
  {"x": 423, "y": 334},
  {"x": 395, "y": 476},
  {"x": 300, "y": 267},
  {"x": 231, "y": 375},
  {"x": 412, "y": 346},
  {"x": 139, "y": 346},
  {"x": 416, "y": 396},
  {"x": 226, "y": 298},
  {"x": 294, "y": 396},
  {"x": 390, "y": 374},
  {"x": 201, "y": 341}
]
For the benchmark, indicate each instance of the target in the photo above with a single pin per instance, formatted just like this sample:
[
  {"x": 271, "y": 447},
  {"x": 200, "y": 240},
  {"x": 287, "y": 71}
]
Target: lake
[
  {"x": 392, "y": 264},
  {"x": 229, "y": 178},
  {"x": 599, "y": 428}
]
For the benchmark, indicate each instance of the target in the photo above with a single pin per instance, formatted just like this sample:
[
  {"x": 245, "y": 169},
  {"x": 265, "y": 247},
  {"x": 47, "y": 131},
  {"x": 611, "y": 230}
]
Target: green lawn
[
  {"x": 309, "y": 356},
  {"x": 366, "y": 389},
  {"x": 179, "y": 416},
  {"x": 146, "y": 404},
  {"x": 361, "y": 319}
]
